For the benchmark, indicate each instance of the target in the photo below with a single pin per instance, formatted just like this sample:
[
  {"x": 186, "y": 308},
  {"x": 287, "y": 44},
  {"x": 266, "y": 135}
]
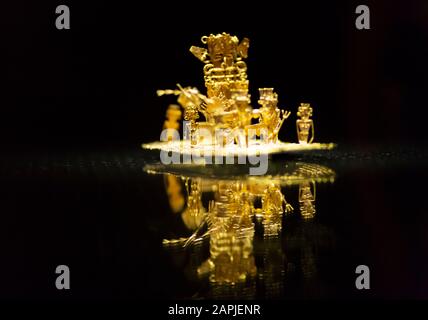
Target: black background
[{"x": 95, "y": 83}]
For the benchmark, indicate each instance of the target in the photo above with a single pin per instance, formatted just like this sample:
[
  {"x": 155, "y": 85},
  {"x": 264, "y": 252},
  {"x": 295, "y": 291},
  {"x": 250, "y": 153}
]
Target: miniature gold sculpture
[
  {"x": 304, "y": 124},
  {"x": 172, "y": 124},
  {"x": 229, "y": 121}
]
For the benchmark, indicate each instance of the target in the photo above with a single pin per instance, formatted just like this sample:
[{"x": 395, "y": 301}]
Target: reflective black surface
[{"x": 104, "y": 217}]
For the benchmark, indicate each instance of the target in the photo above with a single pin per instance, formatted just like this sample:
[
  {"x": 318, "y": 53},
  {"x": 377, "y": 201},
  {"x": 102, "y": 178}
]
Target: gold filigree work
[{"x": 227, "y": 105}]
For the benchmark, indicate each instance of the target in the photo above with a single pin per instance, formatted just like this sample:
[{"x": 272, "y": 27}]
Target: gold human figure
[
  {"x": 270, "y": 116},
  {"x": 172, "y": 122},
  {"x": 305, "y": 125},
  {"x": 241, "y": 98},
  {"x": 224, "y": 68},
  {"x": 191, "y": 101}
]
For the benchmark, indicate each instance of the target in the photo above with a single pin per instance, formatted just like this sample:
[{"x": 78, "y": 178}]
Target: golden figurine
[
  {"x": 224, "y": 117},
  {"x": 224, "y": 68},
  {"x": 191, "y": 100},
  {"x": 270, "y": 116},
  {"x": 305, "y": 125},
  {"x": 172, "y": 122}
]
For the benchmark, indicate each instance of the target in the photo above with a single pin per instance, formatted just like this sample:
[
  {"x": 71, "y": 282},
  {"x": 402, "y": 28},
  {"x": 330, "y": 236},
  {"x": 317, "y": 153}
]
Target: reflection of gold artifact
[
  {"x": 305, "y": 125},
  {"x": 174, "y": 192},
  {"x": 307, "y": 199},
  {"x": 194, "y": 213},
  {"x": 225, "y": 212},
  {"x": 228, "y": 119}
]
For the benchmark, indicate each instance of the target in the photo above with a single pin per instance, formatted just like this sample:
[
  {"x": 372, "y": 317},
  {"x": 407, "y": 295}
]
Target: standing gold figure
[
  {"x": 191, "y": 101},
  {"x": 305, "y": 124},
  {"x": 172, "y": 122}
]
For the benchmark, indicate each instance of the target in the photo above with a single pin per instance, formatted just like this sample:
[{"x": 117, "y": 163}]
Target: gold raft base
[{"x": 184, "y": 147}]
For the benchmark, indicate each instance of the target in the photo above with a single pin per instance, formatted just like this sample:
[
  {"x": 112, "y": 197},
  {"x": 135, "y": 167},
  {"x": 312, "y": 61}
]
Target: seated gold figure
[
  {"x": 224, "y": 68},
  {"x": 269, "y": 115}
]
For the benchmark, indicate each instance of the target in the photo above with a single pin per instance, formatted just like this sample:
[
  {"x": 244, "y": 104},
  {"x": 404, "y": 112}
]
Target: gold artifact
[
  {"x": 224, "y": 117},
  {"x": 172, "y": 122},
  {"x": 305, "y": 125}
]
